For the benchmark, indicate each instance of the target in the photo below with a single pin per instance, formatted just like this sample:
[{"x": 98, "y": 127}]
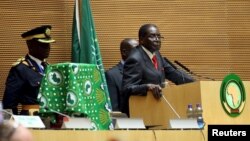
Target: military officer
[{"x": 23, "y": 81}]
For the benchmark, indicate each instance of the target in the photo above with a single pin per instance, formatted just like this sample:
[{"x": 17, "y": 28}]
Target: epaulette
[{"x": 20, "y": 60}]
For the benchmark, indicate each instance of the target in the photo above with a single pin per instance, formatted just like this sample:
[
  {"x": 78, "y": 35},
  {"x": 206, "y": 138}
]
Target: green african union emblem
[
  {"x": 71, "y": 99},
  {"x": 87, "y": 87},
  {"x": 75, "y": 68},
  {"x": 55, "y": 77},
  {"x": 42, "y": 100},
  {"x": 232, "y": 95}
]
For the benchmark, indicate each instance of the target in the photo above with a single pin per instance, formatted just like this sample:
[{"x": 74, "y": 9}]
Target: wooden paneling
[
  {"x": 18, "y": 16},
  {"x": 211, "y": 37},
  {"x": 79, "y": 135}
]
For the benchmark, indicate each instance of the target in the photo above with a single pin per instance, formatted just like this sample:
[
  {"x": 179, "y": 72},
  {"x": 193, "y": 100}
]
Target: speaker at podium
[{"x": 207, "y": 93}]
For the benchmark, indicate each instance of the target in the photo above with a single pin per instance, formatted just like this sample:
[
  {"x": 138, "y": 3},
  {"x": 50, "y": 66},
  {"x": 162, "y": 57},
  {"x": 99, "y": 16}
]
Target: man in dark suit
[
  {"x": 23, "y": 81},
  {"x": 114, "y": 75},
  {"x": 146, "y": 70}
]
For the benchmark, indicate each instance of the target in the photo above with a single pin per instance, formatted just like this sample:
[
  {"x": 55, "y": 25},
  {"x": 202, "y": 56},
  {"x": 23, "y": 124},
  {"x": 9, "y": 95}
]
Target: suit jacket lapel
[
  {"x": 158, "y": 61},
  {"x": 148, "y": 61},
  {"x": 120, "y": 67}
]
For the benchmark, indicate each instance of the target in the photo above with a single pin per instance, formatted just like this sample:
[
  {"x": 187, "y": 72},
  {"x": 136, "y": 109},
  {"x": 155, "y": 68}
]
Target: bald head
[
  {"x": 126, "y": 46},
  {"x": 12, "y": 131}
]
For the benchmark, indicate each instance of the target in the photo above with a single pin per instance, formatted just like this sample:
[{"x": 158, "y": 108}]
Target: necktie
[
  {"x": 44, "y": 64},
  {"x": 154, "y": 59}
]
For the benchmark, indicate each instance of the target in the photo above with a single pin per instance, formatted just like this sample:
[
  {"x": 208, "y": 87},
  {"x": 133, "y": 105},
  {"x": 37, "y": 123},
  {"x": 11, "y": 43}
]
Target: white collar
[
  {"x": 38, "y": 61},
  {"x": 122, "y": 62},
  {"x": 150, "y": 55}
]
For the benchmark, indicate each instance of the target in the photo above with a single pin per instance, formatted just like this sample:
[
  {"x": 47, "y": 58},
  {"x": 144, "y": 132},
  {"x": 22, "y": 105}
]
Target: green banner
[{"x": 85, "y": 46}]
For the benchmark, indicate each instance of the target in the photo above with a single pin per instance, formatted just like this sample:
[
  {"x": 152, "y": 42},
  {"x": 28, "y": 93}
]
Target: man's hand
[{"x": 156, "y": 90}]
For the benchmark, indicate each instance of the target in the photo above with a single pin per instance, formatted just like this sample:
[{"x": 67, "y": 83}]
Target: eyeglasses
[{"x": 154, "y": 36}]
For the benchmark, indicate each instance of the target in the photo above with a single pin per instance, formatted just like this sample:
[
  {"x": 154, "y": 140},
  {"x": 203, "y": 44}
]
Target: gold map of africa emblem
[{"x": 233, "y": 95}]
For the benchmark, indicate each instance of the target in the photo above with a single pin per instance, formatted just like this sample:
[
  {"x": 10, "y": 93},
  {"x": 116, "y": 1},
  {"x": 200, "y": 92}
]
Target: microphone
[
  {"x": 182, "y": 66},
  {"x": 188, "y": 70},
  {"x": 169, "y": 62},
  {"x": 172, "y": 65},
  {"x": 54, "y": 111}
]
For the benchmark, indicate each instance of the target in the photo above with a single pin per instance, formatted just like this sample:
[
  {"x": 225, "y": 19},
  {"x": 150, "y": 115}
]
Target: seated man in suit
[
  {"x": 146, "y": 70},
  {"x": 23, "y": 81},
  {"x": 114, "y": 75}
]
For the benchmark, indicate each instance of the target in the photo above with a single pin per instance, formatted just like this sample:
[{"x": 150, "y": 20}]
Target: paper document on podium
[
  {"x": 183, "y": 124},
  {"x": 129, "y": 123},
  {"x": 77, "y": 123},
  {"x": 29, "y": 121}
]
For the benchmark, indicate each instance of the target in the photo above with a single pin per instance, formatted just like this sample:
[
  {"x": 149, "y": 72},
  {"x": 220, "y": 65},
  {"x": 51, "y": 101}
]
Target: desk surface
[{"x": 117, "y": 135}]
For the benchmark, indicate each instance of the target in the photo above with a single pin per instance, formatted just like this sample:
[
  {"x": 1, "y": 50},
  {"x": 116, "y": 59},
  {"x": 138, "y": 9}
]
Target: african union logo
[
  {"x": 87, "y": 87},
  {"x": 75, "y": 68},
  {"x": 71, "y": 99},
  {"x": 232, "y": 95},
  {"x": 55, "y": 77}
]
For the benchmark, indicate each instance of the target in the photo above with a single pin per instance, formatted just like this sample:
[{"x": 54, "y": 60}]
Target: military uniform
[
  {"x": 25, "y": 76},
  {"x": 22, "y": 85}
]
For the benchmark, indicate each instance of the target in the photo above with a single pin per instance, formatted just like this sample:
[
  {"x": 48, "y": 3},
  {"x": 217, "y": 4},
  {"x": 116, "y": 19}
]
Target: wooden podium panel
[
  {"x": 207, "y": 93},
  {"x": 84, "y": 135},
  {"x": 213, "y": 110},
  {"x": 121, "y": 135},
  {"x": 179, "y": 135},
  {"x": 158, "y": 112}
]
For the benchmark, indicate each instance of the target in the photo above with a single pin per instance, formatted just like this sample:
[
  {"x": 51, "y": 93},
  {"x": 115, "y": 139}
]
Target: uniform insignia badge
[{"x": 20, "y": 60}]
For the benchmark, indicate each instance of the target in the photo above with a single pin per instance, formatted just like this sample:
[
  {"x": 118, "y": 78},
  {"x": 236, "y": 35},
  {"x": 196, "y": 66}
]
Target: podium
[{"x": 157, "y": 112}]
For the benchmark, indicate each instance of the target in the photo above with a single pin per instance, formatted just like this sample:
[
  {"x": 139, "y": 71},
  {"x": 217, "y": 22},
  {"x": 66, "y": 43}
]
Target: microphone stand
[
  {"x": 171, "y": 106},
  {"x": 53, "y": 111},
  {"x": 188, "y": 70},
  {"x": 170, "y": 63},
  {"x": 164, "y": 84}
]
